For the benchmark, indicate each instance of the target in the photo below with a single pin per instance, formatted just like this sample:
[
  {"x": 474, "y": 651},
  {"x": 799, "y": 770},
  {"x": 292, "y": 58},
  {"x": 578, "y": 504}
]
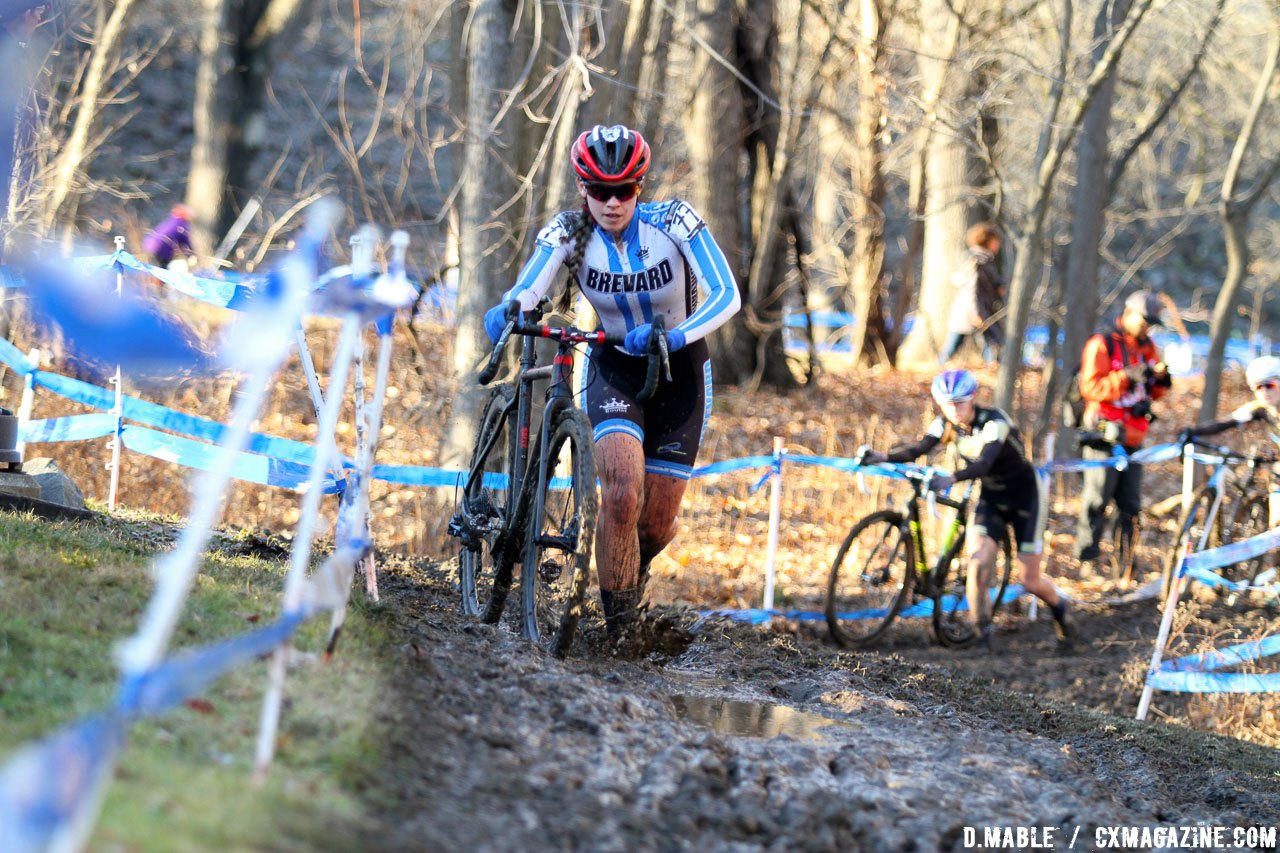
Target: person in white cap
[{"x": 1120, "y": 376}]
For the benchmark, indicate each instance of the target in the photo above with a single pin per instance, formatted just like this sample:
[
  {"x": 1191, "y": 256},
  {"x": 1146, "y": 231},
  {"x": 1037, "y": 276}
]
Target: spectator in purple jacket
[{"x": 171, "y": 237}]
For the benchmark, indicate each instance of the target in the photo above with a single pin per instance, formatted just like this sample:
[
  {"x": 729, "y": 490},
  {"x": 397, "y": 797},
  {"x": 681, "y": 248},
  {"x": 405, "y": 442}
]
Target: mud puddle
[{"x": 746, "y": 718}]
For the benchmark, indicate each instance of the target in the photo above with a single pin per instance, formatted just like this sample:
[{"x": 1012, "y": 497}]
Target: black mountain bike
[
  {"x": 514, "y": 508},
  {"x": 1214, "y": 518},
  {"x": 883, "y": 565}
]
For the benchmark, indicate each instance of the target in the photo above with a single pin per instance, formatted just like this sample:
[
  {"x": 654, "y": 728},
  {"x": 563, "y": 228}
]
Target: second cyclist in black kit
[{"x": 991, "y": 449}]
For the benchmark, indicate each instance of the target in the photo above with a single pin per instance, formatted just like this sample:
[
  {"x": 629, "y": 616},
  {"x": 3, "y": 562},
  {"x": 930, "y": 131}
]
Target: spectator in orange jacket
[{"x": 1120, "y": 375}]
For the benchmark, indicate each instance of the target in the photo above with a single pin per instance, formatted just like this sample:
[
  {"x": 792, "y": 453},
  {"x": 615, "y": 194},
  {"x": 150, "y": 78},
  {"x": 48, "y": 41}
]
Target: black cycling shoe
[
  {"x": 1062, "y": 627},
  {"x": 1089, "y": 554}
]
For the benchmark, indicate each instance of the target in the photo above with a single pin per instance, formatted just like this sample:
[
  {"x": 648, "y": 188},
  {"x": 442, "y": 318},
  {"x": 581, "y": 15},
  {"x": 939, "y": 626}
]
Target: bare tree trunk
[
  {"x": 484, "y": 270},
  {"x": 867, "y": 260},
  {"x": 757, "y": 340},
  {"x": 1051, "y": 149},
  {"x": 1235, "y": 212},
  {"x": 629, "y": 34},
  {"x": 945, "y": 187},
  {"x": 1089, "y": 200},
  {"x": 653, "y": 80},
  {"x": 238, "y": 39},
  {"x": 71, "y": 160},
  {"x": 910, "y": 267},
  {"x": 715, "y": 133}
]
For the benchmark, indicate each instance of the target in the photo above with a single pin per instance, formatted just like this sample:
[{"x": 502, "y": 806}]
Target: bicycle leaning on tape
[{"x": 1208, "y": 523}]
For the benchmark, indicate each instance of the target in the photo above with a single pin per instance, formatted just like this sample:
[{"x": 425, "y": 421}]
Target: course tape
[
  {"x": 224, "y": 293},
  {"x": 1215, "y": 682},
  {"x": 920, "y": 609},
  {"x": 1219, "y": 658},
  {"x": 160, "y": 417},
  {"x": 70, "y": 428},
  {"x": 14, "y": 358},
  {"x": 1232, "y": 553},
  {"x": 264, "y": 470},
  {"x": 43, "y": 786}
]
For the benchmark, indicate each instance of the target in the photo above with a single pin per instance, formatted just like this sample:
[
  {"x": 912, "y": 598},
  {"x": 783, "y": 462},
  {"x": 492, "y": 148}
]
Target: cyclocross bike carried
[
  {"x": 1207, "y": 523},
  {"x": 883, "y": 565},
  {"x": 514, "y": 507}
]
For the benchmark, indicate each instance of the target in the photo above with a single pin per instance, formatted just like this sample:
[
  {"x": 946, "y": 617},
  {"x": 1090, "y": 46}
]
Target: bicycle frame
[
  {"x": 935, "y": 575},
  {"x": 560, "y": 372}
]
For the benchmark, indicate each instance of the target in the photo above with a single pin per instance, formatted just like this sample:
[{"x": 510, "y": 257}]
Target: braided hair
[{"x": 578, "y": 234}]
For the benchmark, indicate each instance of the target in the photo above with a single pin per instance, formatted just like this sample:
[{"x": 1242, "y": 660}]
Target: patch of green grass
[{"x": 69, "y": 591}]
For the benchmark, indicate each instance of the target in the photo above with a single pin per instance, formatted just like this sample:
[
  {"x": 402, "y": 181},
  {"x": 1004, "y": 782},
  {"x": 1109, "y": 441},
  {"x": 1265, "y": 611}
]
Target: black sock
[
  {"x": 620, "y": 607},
  {"x": 1059, "y": 610}
]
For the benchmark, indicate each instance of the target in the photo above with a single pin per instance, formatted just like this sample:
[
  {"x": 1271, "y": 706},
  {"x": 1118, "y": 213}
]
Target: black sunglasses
[{"x": 604, "y": 192}]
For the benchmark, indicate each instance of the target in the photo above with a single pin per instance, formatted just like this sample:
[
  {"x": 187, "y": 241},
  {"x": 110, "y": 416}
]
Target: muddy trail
[{"x": 770, "y": 738}]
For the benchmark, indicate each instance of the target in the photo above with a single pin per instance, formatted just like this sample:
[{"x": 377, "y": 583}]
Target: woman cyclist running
[
  {"x": 634, "y": 261},
  {"x": 990, "y": 447}
]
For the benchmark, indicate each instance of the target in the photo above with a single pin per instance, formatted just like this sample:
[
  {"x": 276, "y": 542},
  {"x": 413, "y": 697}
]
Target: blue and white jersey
[{"x": 655, "y": 266}]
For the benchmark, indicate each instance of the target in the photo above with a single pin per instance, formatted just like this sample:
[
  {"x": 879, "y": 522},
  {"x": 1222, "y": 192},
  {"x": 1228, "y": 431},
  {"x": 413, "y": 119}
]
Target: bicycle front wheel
[
  {"x": 486, "y": 507},
  {"x": 871, "y": 578},
  {"x": 561, "y": 531},
  {"x": 1191, "y": 528},
  {"x": 1252, "y": 516}
]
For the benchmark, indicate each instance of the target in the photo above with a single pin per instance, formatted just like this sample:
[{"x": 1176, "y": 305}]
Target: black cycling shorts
[
  {"x": 1017, "y": 505},
  {"x": 670, "y": 425}
]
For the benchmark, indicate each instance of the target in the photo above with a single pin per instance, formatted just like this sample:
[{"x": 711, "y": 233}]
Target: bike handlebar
[
  {"x": 659, "y": 353},
  {"x": 1226, "y": 453},
  {"x": 659, "y": 359}
]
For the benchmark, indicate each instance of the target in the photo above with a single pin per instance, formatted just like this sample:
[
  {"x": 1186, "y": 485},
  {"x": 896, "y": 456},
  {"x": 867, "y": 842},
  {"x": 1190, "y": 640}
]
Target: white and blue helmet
[
  {"x": 951, "y": 386},
  {"x": 1262, "y": 369}
]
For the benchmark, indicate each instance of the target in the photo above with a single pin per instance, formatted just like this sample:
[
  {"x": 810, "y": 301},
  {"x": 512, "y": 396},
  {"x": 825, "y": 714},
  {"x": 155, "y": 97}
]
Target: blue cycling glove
[
  {"x": 495, "y": 320},
  {"x": 637, "y": 340}
]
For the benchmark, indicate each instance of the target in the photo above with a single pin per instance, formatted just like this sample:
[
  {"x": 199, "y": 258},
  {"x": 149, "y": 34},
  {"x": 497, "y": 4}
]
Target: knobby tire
[
  {"x": 1191, "y": 528},
  {"x": 1250, "y": 517},
  {"x": 490, "y": 507},
  {"x": 873, "y": 570},
  {"x": 561, "y": 531},
  {"x": 954, "y": 627}
]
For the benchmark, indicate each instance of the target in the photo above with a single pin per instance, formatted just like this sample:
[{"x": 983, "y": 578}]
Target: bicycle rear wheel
[
  {"x": 952, "y": 623},
  {"x": 1252, "y": 515},
  {"x": 486, "y": 507},
  {"x": 1191, "y": 528},
  {"x": 561, "y": 531},
  {"x": 871, "y": 578},
  {"x": 1003, "y": 572}
]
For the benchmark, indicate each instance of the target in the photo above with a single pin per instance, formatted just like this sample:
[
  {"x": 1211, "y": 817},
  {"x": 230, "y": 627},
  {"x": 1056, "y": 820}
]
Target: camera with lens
[{"x": 1142, "y": 409}]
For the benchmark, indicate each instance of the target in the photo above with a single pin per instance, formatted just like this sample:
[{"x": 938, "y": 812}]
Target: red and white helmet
[{"x": 610, "y": 154}]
